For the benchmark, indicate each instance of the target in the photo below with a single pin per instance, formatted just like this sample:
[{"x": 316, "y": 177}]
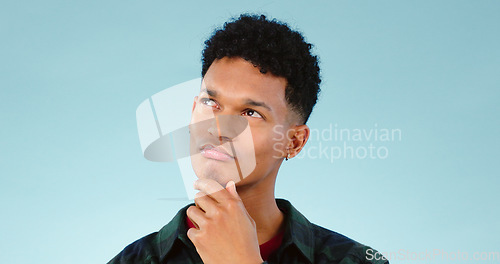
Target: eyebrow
[
  {"x": 255, "y": 103},
  {"x": 247, "y": 102},
  {"x": 209, "y": 92}
]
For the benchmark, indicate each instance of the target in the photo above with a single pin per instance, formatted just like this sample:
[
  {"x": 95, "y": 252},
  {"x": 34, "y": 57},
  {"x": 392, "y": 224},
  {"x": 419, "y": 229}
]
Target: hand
[{"x": 226, "y": 233}]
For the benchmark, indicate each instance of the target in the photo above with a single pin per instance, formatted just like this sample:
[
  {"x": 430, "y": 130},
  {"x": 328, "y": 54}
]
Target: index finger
[{"x": 212, "y": 188}]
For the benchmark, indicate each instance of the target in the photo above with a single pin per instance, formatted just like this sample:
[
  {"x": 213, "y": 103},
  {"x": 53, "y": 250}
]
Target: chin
[{"x": 217, "y": 172}]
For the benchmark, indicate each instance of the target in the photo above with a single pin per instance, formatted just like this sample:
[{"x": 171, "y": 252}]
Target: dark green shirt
[{"x": 303, "y": 242}]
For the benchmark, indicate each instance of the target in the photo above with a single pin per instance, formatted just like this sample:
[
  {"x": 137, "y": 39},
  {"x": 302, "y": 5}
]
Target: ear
[
  {"x": 298, "y": 139},
  {"x": 194, "y": 103}
]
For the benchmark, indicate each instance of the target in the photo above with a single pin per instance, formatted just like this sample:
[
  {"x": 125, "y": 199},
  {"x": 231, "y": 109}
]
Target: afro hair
[{"x": 272, "y": 46}]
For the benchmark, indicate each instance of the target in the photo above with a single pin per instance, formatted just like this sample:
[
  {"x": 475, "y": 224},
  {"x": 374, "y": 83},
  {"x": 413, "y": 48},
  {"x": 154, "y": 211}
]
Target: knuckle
[
  {"x": 232, "y": 204},
  {"x": 199, "y": 195},
  {"x": 215, "y": 213}
]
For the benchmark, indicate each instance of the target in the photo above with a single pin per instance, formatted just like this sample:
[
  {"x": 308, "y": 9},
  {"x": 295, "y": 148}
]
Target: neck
[{"x": 260, "y": 203}]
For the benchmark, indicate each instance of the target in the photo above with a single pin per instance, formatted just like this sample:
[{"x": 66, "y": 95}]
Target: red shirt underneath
[{"x": 265, "y": 249}]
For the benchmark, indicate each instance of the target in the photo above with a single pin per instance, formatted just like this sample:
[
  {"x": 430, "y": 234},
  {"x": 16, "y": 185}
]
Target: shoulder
[
  {"x": 140, "y": 251},
  {"x": 333, "y": 247},
  {"x": 321, "y": 245},
  {"x": 154, "y": 246}
]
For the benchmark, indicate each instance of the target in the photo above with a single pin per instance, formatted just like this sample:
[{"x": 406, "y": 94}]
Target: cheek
[{"x": 270, "y": 144}]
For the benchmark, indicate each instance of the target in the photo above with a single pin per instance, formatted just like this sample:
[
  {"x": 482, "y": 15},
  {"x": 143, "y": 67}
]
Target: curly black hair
[{"x": 272, "y": 46}]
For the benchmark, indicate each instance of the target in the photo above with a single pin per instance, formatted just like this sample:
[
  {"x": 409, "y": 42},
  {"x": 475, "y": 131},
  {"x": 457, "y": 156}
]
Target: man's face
[{"x": 239, "y": 123}]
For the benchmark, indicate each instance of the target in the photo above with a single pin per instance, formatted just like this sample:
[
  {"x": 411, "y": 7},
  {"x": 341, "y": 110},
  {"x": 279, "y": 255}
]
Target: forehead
[{"x": 237, "y": 79}]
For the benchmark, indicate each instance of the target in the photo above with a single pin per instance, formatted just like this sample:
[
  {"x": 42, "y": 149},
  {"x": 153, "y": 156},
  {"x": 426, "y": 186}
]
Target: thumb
[{"x": 231, "y": 188}]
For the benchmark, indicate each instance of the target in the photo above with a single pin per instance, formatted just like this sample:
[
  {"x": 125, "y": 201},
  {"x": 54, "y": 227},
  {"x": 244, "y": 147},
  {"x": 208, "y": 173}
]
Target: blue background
[{"x": 76, "y": 189}]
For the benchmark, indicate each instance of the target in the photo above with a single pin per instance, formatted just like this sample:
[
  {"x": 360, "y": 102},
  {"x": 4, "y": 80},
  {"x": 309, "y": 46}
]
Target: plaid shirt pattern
[{"x": 303, "y": 242}]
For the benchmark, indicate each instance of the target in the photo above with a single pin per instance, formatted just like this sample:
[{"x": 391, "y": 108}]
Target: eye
[
  {"x": 208, "y": 102},
  {"x": 252, "y": 113}
]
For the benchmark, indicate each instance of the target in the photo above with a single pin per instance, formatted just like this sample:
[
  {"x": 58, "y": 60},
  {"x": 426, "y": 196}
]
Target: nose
[
  {"x": 217, "y": 131},
  {"x": 227, "y": 127}
]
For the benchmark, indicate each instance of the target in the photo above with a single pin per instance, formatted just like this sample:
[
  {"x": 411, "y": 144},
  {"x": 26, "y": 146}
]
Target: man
[{"x": 260, "y": 77}]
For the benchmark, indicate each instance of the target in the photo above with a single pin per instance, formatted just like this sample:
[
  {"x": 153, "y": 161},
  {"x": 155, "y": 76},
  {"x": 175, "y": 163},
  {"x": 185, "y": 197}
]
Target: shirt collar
[
  {"x": 174, "y": 230},
  {"x": 298, "y": 231}
]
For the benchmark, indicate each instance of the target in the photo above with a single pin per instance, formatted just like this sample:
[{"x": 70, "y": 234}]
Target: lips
[{"x": 209, "y": 151}]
